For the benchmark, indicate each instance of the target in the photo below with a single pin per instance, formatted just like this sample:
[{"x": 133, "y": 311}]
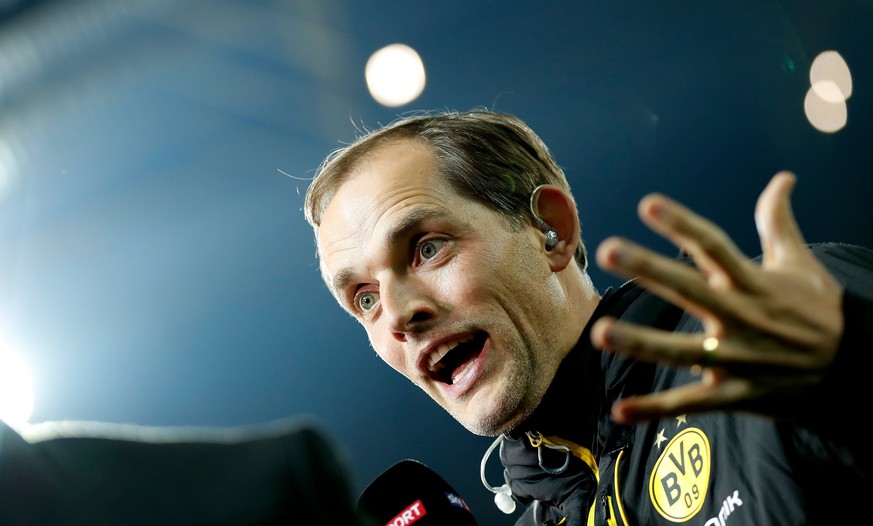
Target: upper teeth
[{"x": 442, "y": 350}]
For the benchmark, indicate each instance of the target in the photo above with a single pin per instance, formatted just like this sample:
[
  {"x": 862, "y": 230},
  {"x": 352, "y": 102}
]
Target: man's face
[{"x": 450, "y": 297}]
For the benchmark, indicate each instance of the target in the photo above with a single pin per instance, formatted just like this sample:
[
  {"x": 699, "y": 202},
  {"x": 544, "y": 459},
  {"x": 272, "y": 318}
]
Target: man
[{"x": 454, "y": 239}]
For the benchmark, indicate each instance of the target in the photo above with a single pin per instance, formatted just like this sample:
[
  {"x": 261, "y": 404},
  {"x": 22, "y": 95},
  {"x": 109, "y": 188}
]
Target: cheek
[
  {"x": 467, "y": 281},
  {"x": 459, "y": 291},
  {"x": 493, "y": 282}
]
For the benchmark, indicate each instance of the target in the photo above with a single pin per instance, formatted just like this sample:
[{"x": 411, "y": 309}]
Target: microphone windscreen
[{"x": 410, "y": 493}]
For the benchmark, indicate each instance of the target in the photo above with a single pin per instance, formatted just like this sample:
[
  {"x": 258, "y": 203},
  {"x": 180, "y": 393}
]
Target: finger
[
  {"x": 711, "y": 393},
  {"x": 673, "y": 280},
  {"x": 781, "y": 239},
  {"x": 740, "y": 356},
  {"x": 654, "y": 345},
  {"x": 710, "y": 247}
]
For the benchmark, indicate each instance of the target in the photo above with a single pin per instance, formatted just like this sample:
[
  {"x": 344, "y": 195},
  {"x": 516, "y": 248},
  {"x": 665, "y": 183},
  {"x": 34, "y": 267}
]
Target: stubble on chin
[{"x": 504, "y": 413}]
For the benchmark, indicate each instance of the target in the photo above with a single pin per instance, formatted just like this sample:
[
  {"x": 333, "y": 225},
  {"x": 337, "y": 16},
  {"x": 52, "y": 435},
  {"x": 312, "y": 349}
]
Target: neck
[{"x": 582, "y": 300}]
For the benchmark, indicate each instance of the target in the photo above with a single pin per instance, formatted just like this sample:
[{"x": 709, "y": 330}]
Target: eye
[
  {"x": 366, "y": 301},
  {"x": 430, "y": 248}
]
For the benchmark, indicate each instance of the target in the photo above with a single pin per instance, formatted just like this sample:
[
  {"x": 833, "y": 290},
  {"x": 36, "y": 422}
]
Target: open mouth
[{"x": 451, "y": 358}]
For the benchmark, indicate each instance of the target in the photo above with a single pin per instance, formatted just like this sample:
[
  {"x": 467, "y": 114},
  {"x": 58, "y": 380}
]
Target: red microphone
[{"x": 410, "y": 493}]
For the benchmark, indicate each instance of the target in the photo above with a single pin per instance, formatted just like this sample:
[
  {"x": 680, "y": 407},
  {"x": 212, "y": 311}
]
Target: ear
[{"x": 556, "y": 208}]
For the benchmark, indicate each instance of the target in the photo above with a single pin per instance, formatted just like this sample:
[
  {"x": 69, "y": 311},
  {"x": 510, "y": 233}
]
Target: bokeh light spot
[
  {"x": 395, "y": 75},
  {"x": 825, "y": 116},
  {"x": 830, "y": 87},
  {"x": 828, "y": 91},
  {"x": 829, "y": 67}
]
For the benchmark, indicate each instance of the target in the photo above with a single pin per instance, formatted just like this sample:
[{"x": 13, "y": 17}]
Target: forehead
[
  {"x": 396, "y": 183},
  {"x": 391, "y": 177}
]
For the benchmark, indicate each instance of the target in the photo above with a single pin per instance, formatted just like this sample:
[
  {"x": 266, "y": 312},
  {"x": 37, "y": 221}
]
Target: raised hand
[{"x": 770, "y": 329}]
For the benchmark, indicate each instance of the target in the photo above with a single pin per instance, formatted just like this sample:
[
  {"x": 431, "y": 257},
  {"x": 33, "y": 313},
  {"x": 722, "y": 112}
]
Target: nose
[{"x": 407, "y": 306}]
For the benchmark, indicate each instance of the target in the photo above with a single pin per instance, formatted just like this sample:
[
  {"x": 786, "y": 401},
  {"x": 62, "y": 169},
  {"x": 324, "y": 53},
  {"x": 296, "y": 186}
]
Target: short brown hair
[{"x": 494, "y": 158}]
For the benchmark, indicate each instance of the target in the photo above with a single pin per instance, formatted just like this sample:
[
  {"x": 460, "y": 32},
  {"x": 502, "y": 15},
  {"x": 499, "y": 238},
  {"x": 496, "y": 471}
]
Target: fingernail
[
  {"x": 617, "y": 254},
  {"x": 653, "y": 205},
  {"x": 600, "y": 333}
]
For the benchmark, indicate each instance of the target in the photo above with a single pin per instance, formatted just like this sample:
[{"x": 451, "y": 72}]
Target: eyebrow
[
  {"x": 341, "y": 280},
  {"x": 399, "y": 231}
]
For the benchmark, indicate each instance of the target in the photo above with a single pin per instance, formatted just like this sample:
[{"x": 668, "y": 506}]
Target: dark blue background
[{"x": 155, "y": 266}]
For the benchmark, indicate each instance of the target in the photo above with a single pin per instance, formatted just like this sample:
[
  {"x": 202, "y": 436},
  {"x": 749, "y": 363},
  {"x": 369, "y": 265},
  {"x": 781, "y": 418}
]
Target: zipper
[
  {"x": 606, "y": 502},
  {"x": 616, "y": 472}
]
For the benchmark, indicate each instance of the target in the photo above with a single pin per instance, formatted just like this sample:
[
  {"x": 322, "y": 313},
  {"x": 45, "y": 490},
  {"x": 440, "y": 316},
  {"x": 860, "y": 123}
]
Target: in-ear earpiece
[
  {"x": 551, "y": 235},
  {"x": 551, "y": 238}
]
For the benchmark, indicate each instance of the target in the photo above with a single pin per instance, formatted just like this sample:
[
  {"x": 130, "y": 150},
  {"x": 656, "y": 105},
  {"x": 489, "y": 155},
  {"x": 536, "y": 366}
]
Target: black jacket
[{"x": 708, "y": 469}]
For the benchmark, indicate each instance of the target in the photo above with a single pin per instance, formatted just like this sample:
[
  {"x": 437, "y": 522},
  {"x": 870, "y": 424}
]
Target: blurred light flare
[
  {"x": 395, "y": 75},
  {"x": 830, "y": 86},
  {"x": 16, "y": 389},
  {"x": 828, "y": 117},
  {"x": 828, "y": 91},
  {"x": 8, "y": 167},
  {"x": 829, "y": 68}
]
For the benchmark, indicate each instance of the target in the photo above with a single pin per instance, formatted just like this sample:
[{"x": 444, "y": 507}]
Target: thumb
[{"x": 781, "y": 239}]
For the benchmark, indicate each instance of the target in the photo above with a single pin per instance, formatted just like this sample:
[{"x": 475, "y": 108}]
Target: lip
[{"x": 470, "y": 375}]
